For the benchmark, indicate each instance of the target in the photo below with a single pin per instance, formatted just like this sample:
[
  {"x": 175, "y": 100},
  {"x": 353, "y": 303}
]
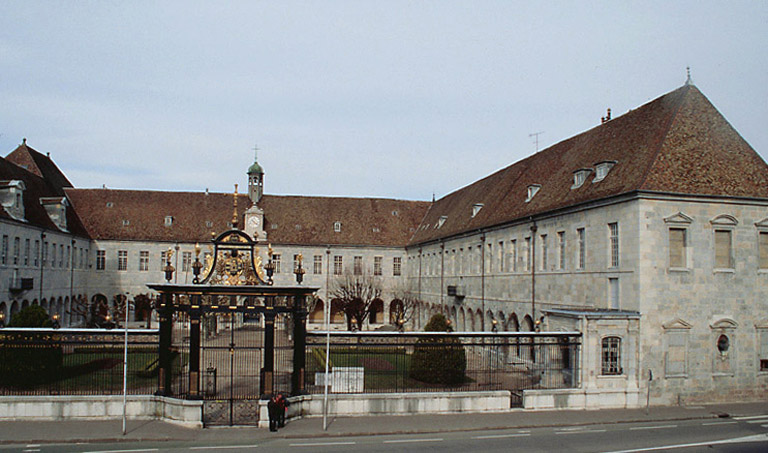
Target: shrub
[
  {"x": 29, "y": 359},
  {"x": 31, "y": 316},
  {"x": 439, "y": 360}
]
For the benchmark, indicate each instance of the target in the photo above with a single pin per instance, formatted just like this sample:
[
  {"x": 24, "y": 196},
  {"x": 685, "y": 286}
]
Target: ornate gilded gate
[{"x": 226, "y": 351}]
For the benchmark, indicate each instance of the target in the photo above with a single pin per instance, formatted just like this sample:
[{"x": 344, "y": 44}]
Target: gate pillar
[
  {"x": 165, "y": 316},
  {"x": 267, "y": 383},
  {"x": 194, "y": 349},
  {"x": 299, "y": 345}
]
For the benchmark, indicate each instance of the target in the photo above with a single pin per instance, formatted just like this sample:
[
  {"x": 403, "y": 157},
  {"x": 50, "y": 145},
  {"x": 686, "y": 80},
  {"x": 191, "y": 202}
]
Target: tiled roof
[
  {"x": 140, "y": 215},
  {"x": 363, "y": 221},
  {"x": 678, "y": 143},
  {"x": 37, "y": 188},
  {"x": 26, "y": 157}
]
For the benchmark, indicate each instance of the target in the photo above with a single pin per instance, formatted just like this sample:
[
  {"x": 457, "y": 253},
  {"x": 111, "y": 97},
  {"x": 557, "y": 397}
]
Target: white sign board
[{"x": 348, "y": 379}]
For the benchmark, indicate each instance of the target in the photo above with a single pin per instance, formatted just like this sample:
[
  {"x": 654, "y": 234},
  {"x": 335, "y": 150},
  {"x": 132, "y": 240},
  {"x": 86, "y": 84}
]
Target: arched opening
[
  {"x": 14, "y": 308},
  {"x": 337, "y": 314},
  {"x": 4, "y": 315},
  {"x": 25, "y": 303},
  {"x": 462, "y": 320},
  {"x": 471, "y": 320},
  {"x": 375, "y": 313},
  {"x": 396, "y": 311},
  {"x": 318, "y": 312}
]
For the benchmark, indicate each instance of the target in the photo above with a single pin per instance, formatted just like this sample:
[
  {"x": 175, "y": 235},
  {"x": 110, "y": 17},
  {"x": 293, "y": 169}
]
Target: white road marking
[
  {"x": 638, "y": 428},
  {"x": 738, "y": 440},
  {"x": 321, "y": 444},
  {"x": 582, "y": 432},
  {"x": 122, "y": 451},
  {"x": 221, "y": 447},
  {"x": 753, "y": 417},
  {"x": 718, "y": 423},
  {"x": 403, "y": 441},
  {"x": 501, "y": 436}
]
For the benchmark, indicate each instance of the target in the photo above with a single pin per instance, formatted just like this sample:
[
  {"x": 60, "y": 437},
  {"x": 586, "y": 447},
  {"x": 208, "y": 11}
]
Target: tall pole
[
  {"x": 125, "y": 364},
  {"x": 327, "y": 320}
]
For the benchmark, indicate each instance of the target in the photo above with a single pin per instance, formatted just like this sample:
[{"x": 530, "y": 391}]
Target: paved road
[{"x": 737, "y": 434}]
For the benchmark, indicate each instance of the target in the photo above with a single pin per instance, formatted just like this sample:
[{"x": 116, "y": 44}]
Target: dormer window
[
  {"x": 169, "y": 220},
  {"x": 337, "y": 227},
  {"x": 580, "y": 176},
  {"x": 441, "y": 221},
  {"x": 533, "y": 189},
  {"x": 56, "y": 208},
  {"x": 11, "y": 198},
  {"x": 110, "y": 204},
  {"x": 476, "y": 208},
  {"x": 126, "y": 222},
  {"x": 602, "y": 169}
]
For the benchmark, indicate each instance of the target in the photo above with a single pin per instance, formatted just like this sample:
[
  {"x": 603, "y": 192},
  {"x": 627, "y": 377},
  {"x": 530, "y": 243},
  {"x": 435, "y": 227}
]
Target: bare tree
[
  {"x": 356, "y": 294},
  {"x": 404, "y": 306}
]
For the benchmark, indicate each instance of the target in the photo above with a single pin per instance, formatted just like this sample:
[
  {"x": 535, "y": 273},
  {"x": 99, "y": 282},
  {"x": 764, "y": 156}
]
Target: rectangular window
[
  {"x": 276, "y": 258},
  {"x": 614, "y": 240},
  {"x": 397, "y": 266},
  {"x": 611, "y": 356},
  {"x": 338, "y": 265},
  {"x": 675, "y": 358},
  {"x": 45, "y": 253},
  {"x": 37, "y": 253},
  {"x": 26, "y": 252},
  {"x": 358, "y": 265},
  {"x": 528, "y": 254},
  {"x": 317, "y": 265},
  {"x": 561, "y": 250},
  {"x": 502, "y": 267},
  {"x": 53, "y": 255},
  {"x": 613, "y": 292},
  {"x": 4, "y": 256},
  {"x": 16, "y": 250},
  {"x": 122, "y": 260},
  {"x": 762, "y": 335},
  {"x": 144, "y": 260},
  {"x": 544, "y": 252},
  {"x": 296, "y": 261},
  {"x": 377, "y": 260},
  {"x": 677, "y": 251},
  {"x": 186, "y": 261},
  {"x": 490, "y": 258},
  {"x": 513, "y": 254},
  {"x": 68, "y": 257},
  {"x": 723, "y": 257},
  {"x": 581, "y": 258},
  {"x": 162, "y": 260},
  {"x": 762, "y": 245}
]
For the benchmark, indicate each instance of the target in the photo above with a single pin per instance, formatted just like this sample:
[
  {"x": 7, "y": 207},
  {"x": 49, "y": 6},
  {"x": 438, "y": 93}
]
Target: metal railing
[
  {"x": 383, "y": 362},
  {"x": 76, "y": 361}
]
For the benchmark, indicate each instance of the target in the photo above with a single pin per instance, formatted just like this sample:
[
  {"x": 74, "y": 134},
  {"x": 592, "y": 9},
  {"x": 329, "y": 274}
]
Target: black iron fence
[
  {"x": 78, "y": 361},
  {"x": 381, "y": 362}
]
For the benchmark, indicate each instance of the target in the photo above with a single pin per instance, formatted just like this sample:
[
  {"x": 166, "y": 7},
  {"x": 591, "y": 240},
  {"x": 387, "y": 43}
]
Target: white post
[{"x": 125, "y": 363}]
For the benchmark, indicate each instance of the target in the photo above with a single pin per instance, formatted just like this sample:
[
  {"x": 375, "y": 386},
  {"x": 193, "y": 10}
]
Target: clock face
[
  {"x": 234, "y": 266},
  {"x": 254, "y": 222}
]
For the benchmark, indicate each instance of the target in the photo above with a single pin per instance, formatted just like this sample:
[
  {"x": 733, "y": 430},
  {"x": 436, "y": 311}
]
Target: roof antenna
[
  {"x": 689, "y": 80},
  {"x": 536, "y": 134}
]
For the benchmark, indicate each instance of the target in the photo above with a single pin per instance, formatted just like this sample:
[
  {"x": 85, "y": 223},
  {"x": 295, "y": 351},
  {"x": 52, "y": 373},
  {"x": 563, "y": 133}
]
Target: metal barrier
[
  {"x": 77, "y": 361},
  {"x": 384, "y": 362}
]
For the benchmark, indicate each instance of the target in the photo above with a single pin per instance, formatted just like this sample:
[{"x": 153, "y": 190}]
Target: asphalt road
[{"x": 739, "y": 434}]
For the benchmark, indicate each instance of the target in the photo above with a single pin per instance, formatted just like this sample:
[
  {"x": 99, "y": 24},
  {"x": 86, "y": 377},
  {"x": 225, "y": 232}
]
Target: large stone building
[{"x": 647, "y": 233}]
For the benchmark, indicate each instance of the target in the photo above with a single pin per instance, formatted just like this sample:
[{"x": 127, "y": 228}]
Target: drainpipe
[
  {"x": 482, "y": 279},
  {"x": 534, "y": 228},
  {"x": 442, "y": 271},
  {"x": 42, "y": 264},
  {"x": 71, "y": 277}
]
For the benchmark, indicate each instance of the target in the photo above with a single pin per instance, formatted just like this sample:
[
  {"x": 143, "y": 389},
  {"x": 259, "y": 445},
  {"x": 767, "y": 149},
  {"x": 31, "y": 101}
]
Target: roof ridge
[{"x": 652, "y": 162}]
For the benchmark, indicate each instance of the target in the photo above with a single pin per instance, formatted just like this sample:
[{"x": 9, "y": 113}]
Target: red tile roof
[
  {"x": 288, "y": 219},
  {"x": 26, "y": 157},
  {"x": 678, "y": 143}
]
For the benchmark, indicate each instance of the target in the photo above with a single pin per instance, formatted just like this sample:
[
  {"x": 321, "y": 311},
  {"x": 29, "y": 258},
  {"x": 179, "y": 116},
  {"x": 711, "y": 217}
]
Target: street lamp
[
  {"x": 299, "y": 271},
  {"x": 168, "y": 268},
  {"x": 270, "y": 266},
  {"x": 2, "y": 320},
  {"x": 197, "y": 265}
]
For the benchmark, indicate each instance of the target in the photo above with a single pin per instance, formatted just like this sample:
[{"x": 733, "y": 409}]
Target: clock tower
[{"x": 254, "y": 216}]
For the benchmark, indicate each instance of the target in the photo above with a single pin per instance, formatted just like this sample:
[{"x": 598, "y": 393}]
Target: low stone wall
[
  {"x": 393, "y": 404},
  {"x": 138, "y": 407},
  {"x": 582, "y": 399}
]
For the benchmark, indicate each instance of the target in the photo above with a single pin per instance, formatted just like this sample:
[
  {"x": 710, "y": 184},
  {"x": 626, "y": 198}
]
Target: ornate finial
[
  {"x": 255, "y": 153},
  {"x": 688, "y": 81},
  {"x": 234, "y": 213},
  {"x": 24, "y": 141}
]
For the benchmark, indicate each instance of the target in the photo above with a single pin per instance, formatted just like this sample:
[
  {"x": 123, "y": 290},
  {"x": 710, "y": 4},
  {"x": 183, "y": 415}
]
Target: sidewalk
[{"x": 111, "y": 430}]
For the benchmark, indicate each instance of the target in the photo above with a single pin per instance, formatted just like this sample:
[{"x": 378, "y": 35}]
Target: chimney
[{"x": 606, "y": 118}]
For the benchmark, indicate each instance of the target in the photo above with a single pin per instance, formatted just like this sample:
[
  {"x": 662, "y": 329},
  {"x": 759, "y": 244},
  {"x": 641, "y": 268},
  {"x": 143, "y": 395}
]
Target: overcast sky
[{"x": 387, "y": 99}]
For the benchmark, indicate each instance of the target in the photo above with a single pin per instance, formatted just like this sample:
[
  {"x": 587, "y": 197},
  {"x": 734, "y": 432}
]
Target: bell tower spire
[{"x": 255, "y": 179}]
